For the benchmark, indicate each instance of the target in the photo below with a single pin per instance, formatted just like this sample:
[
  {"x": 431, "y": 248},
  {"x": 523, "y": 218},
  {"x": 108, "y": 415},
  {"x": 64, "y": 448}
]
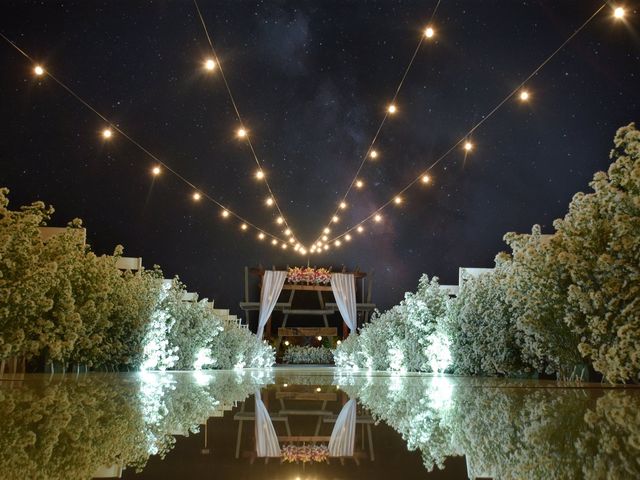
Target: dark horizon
[{"x": 312, "y": 80}]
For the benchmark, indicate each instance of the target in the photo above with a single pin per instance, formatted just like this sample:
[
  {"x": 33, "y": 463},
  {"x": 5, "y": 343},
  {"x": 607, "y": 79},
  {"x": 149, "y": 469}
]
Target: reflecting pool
[{"x": 313, "y": 424}]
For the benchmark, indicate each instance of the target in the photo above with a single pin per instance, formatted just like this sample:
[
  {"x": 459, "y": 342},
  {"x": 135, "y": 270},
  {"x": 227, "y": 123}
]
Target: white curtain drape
[
  {"x": 344, "y": 432},
  {"x": 343, "y": 286},
  {"x": 272, "y": 283},
  {"x": 266, "y": 439}
]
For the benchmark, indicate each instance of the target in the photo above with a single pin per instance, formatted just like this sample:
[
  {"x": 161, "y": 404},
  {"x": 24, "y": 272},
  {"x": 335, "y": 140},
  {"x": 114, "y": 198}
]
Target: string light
[
  {"x": 38, "y": 70},
  {"x": 425, "y": 179},
  {"x": 269, "y": 202},
  {"x": 326, "y": 247},
  {"x": 279, "y": 220},
  {"x": 274, "y": 242},
  {"x": 468, "y": 146},
  {"x": 156, "y": 171},
  {"x": 259, "y": 174},
  {"x": 243, "y": 226},
  {"x": 429, "y": 32},
  {"x": 292, "y": 240},
  {"x": 392, "y": 109},
  {"x": 209, "y": 64},
  {"x": 325, "y": 238},
  {"x": 319, "y": 338},
  {"x": 241, "y": 133},
  {"x": 286, "y": 344},
  {"x": 261, "y": 236},
  {"x": 343, "y": 205},
  {"x": 335, "y": 219},
  {"x": 347, "y": 237},
  {"x": 224, "y": 213},
  {"x": 327, "y": 230},
  {"x": 360, "y": 229},
  {"x": 303, "y": 251},
  {"x": 284, "y": 246},
  {"x": 377, "y": 218},
  {"x": 107, "y": 133},
  {"x": 397, "y": 200},
  {"x": 287, "y": 232},
  {"x": 337, "y": 243},
  {"x": 373, "y": 154},
  {"x": 619, "y": 12},
  {"x": 524, "y": 95},
  {"x": 359, "y": 184},
  {"x": 196, "y": 196}
]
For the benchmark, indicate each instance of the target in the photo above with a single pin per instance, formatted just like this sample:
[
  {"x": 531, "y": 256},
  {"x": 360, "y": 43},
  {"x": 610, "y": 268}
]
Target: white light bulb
[
  {"x": 373, "y": 154},
  {"x": 359, "y": 184},
  {"x": 197, "y": 196},
  {"x": 243, "y": 226},
  {"x": 343, "y": 205},
  {"x": 107, "y": 133},
  {"x": 38, "y": 70},
  {"x": 269, "y": 201},
  {"x": 335, "y": 219},
  {"x": 429, "y": 32},
  {"x": 261, "y": 236},
  {"x": 360, "y": 229},
  {"x": 619, "y": 12},
  {"x": 241, "y": 133},
  {"x": 468, "y": 146},
  {"x": 279, "y": 220},
  {"x": 426, "y": 178},
  {"x": 524, "y": 95},
  {"x": 259, "y": 174},
  {"x": 378, "y": 218},
  {"x": 392, "y": 109},
  {"x": 347, "y": 237},
  {"x": 224, "y": 213},
  {"x": 210, "y": 64},
  {"x": 156, "y": 170}
]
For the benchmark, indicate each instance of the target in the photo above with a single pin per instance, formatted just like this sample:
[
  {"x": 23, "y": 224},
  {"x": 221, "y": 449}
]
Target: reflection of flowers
[
  {"x": 305, "y": 453},
  {"x": 306, "y": 354},
  {"x": 313, "y": 276}
]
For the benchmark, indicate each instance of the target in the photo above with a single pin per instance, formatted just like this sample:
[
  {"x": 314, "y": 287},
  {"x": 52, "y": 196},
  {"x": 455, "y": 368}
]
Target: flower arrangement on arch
[
  {"x": 309, "y": 275},
  {"x": 305, "y": 453}
]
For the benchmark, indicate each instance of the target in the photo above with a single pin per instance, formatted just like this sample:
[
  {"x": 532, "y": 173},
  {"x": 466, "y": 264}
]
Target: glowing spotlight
[
  {"x": 241, "y": 133},
  {"x": 38, "y": 70},
  {"x": 335, "y": 219},
  {"x": 429, "y": 32},
  {"x": 243, "y": 226},
  {"x": 210, "y": 64},
  {"x": 425, "y": 179},
  {"x": 468, "y": 146},
  {"x": 327, "y": 230},
  {"x": 343, "y": 205},
  {"x": 269, "y": 202},
  {"x": 279, "y": 220},
  {"x": 347, "y": 237},
  {"x": 377, "y": 218},
  {"x": 261, "y": 236},
  {"x": 274, "y": 242},
  {"x": 524, "y": 95},
  {"x": 337, "y": 243},
  {"x": 392, "y": 109},
  {"x": 156, "y": 171},
  {"x": 224, "y": 213},
  {"x": 619, "y": 12},
  {"x": 397, "y": 200},
  {"x": 286, "y": 344},
  {"x": 259, "y": 174},
  {"x": 196, "y": 196},
  {"x": 373, "y": 154},
  {"x": 360, "y": 229},
  {"x": 359, "y": 184},
  {"x": 107, "y": 133}
]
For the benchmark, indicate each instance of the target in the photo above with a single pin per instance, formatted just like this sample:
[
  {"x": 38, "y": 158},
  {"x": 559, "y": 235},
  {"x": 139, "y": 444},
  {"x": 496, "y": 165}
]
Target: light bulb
[
  {"x": 292, "y": 240},
  {"x": 359, "y": 184},
  {"x": 156, "y": 170},
  {"x": 261, "y": 236},
  {"x": 524, "y": 95},
  {"x": 392, "y": 109},
  {"x": 38, "y": 70},
  {"x": 335, "y": 219},
  {"x": 241, "y": 133},
  {"x": 326, "y": 247},
  {"x": 287, "y": 232},
  {"x": 360, "y": 229},
  {"x": 339, "y": 342},
  {"x": 107, "y": 133},
  {"x": 429, "y": 32},
  {"x": 269, "y": 201},
  {"x": 347, "y": 237},
  {"x": 279, "y": 220},
  {"x": 319, "y": 337},
  {"x": 243, "y": 226},
  {"x": 286, "y": 344},
  {"x": 378, "y": 217},
  {"x": 209, "y": 64},
  {"x": 337, "y": 243},
  {"x": 373, "y": 154},
  {"x": 197, "y": 196},
  {"x": 259, "y": 174},
  {"x": 619, "y": 12},
  {"x": 327, "y": 230},
  {"x": 426, "y": 178},
  {"x": 468, "y": 146},
  {"x": 284, "y": 246},
  {"x": 224, "y": 213},
  {"x": 397, "y": 200},
  {"x": 343, "y": 205},
  {"x": 325, "y": 238},
  {"x": 274, "y": 242}
]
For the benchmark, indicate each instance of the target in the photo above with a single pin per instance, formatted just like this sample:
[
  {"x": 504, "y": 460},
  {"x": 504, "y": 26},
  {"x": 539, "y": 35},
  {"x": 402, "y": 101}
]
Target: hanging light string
[
  {"x": 245, "y": 134},
  {"x": 390, "y": 110},
  {"x": 468, "y": 146},
  {"x": 107, "y": 133}
]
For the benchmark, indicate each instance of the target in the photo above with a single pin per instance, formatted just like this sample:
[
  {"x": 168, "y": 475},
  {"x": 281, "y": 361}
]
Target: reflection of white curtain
[
  {"x": 272, "y": 283},
  {"x": 344, "y": 289},
  {"x": 344, "y": 432},
  {"x": 266, "y": 438}
]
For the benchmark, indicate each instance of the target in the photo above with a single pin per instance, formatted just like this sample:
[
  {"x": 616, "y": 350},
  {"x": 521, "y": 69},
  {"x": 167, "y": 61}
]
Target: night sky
[{"x": 312, "y": 80}]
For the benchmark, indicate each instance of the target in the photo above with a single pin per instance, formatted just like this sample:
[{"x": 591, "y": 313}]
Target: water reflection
[{"x": 314, "y": 423}]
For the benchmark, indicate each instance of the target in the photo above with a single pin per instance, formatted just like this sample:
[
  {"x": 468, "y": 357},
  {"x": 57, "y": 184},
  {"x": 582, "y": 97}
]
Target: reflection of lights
[{"x": 439, "y": 392}]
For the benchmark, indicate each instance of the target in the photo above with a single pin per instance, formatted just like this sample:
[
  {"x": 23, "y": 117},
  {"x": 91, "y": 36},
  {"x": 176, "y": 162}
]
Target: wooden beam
[{"x": 307, "y": 331}]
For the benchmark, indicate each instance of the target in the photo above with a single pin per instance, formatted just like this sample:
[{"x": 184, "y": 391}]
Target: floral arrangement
[
  {"x": 306, "y": 354},
  {"x": 305, "y": 453},
  {"x": 309, "y": 275}
]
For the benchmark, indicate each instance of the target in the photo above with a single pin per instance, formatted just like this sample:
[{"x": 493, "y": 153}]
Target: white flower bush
[
  {"x": 307, "y": 354},
  {"x": 566, "y": 303},
  {"x": 61, "y": 303}
]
